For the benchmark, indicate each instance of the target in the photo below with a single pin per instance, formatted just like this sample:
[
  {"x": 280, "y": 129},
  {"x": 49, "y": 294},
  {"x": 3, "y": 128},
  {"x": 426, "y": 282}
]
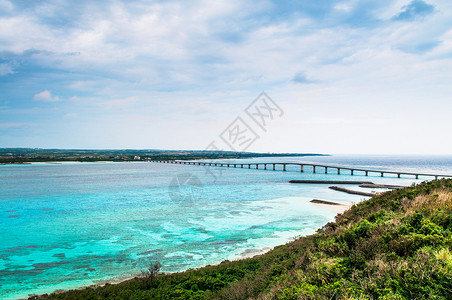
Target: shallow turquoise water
[{"x": 69, "y": 225}]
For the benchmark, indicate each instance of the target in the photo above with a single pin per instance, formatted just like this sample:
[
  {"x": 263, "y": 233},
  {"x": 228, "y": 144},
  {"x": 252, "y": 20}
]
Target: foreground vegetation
[
  {"x": 394, "y": 246},
  {"x": 27, "y": 155}
]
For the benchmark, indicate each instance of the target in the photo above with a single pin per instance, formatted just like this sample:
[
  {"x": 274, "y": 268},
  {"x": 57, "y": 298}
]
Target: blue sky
[{"x": 351, "y": 76}]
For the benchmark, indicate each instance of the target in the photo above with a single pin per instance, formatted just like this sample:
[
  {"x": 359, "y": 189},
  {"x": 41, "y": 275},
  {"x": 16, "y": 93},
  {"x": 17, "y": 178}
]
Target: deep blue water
[{"x": 69, "y": 225}]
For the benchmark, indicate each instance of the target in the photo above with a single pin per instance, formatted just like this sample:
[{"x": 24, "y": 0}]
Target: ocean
[{"x": 70, "y": 225}]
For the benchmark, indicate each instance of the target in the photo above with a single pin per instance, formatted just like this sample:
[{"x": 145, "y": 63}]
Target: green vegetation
[
  {"x": 394, "y": 246},
  {"x": 25, "y": 155}
]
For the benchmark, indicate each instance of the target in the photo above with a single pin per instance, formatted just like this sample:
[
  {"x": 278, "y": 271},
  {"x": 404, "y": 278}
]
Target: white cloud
[
  {"x": 10, "y": 125},
  {"x": 45, "y": 96},
  {"x": 182, "y": 59},
  {"x": 6, "y": 69},
  {"x": 120, "y": 102}
]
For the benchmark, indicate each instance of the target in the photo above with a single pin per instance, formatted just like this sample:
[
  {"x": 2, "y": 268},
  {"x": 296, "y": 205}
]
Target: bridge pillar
[
  {"x": 249, "y": 166},
  {"x": 241, "y": 166},
  {"x": 274, "y": 167},
  {"x": 301, "y": 168},
  {"x": 265, "y": 166},
  {"x": 352, "y": 172},
  {"x": 436, "y": 177},
  {"x": 313, "y": 169},
  {"x": 235, "y": 165},
  {"x": 381, "y": 174},
  {"x": 367, "y": 173},
  {"x": 284, "y": 167},
  {"x": 417, "y": 176},
  {"x": 326, "y": 170},
  {"x": 338, "y": 171},
  {"x": 398, "y": 175}
]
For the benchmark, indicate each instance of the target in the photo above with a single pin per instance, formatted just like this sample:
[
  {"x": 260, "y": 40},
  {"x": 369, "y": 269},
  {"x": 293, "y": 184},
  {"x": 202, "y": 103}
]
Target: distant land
[{"x": 30, "y": 155}]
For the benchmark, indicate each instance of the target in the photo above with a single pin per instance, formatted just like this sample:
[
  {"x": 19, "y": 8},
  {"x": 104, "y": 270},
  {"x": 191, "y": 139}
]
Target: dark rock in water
[
  {"x": 228, "y": 242},
  {"x": 200, "y": 229},
  {"x": 149, "y": 252},
  {"x": 14, "y": 216},
  {"x": 324, "y": 202},
  {"x": 383, "y": 186},
  {"x": 59, "y": 255},
  {"x": 46, "y": 266},
  {"x": 341, "y": 189},
  {"x": 331, "y": 181}
]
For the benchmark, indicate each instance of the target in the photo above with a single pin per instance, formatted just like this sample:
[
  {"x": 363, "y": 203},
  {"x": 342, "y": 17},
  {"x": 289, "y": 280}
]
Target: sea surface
[{"x": 69, "y": 225}]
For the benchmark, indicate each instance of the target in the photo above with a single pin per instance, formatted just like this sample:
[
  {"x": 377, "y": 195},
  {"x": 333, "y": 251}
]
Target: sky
[{"x": 339, "y": 76}]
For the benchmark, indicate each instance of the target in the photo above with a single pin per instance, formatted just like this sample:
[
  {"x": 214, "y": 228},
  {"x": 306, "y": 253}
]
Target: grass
[{"x": 394, "y": 246}]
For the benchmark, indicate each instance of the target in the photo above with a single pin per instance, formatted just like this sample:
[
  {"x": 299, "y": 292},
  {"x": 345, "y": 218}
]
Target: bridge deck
[{"x": 302, "y": 165}]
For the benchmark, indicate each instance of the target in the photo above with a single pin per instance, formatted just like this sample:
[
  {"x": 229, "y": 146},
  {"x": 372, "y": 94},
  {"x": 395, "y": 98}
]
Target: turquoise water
[{"x": 70, "y": 225}]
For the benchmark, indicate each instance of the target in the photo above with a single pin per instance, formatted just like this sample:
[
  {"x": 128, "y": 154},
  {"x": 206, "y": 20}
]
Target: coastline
[
  {"x": 331, "y": 206},
  {"x": 338, "y": 208}
]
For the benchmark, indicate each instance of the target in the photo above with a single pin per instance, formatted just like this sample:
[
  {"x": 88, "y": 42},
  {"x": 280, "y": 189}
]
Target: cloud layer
[{"x": 173, "y": 74}]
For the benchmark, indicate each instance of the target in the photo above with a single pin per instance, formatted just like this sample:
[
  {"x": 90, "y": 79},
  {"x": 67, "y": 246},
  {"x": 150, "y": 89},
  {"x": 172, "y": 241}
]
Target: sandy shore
[{"x": 337, "y": 208}]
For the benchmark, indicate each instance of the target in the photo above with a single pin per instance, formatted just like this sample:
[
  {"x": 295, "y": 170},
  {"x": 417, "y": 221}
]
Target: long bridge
[{"x": 301, "y": 166}]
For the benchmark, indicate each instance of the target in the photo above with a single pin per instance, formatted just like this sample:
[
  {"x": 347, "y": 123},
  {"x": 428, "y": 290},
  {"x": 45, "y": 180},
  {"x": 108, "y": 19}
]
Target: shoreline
[
  {"x": 331, "y": 206},
  {"x": 336, "y": 207}
]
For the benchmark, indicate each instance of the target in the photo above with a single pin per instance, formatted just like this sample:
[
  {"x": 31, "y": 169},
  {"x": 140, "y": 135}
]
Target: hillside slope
[{"x": 393, "y": 246}]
